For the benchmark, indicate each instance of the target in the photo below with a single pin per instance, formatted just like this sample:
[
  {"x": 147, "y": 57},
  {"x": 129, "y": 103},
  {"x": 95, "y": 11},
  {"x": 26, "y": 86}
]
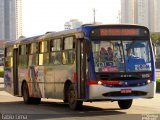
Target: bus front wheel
[
  {"x": 125, "y": 104},
  {"x": 74, "y": 104}
]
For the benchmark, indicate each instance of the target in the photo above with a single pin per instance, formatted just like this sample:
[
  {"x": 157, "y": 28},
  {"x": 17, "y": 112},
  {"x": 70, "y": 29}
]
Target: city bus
[{"x": 86, "y": 64}]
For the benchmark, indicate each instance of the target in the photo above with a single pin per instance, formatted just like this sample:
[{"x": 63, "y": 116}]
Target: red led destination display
[{"x": 118, "y": 32}]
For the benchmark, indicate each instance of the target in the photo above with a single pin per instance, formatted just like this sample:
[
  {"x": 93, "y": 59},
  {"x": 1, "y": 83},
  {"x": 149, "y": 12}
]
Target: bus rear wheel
[
  {"x": 125, "y": 104},
  {"x": 26, "y": 98},
  {"x": 74, "y": 104},
  {"x": 25, "y": 91}
]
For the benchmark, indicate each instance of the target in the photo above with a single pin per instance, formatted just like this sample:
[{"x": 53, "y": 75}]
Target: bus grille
[
  {"x": 114, "y": 77},
  {"x": 118, "y": 94}
]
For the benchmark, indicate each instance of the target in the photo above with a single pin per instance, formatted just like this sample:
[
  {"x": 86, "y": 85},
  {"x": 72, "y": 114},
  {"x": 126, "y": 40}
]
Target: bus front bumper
[{"x": 100, "y": 92}]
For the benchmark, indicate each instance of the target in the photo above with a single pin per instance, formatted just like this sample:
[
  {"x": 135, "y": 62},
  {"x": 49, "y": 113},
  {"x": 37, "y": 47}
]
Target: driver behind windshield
[{"x": 132, "y": 60}]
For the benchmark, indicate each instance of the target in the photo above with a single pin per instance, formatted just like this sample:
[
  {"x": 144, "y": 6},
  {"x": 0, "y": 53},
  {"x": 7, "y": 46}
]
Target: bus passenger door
[
  {"x": 15, "y": 71},
  {"x": 80, "y": 68}
]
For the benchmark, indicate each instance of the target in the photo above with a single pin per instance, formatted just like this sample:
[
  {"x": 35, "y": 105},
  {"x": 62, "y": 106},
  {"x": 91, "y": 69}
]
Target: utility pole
[{"x": 94, "y": 16}]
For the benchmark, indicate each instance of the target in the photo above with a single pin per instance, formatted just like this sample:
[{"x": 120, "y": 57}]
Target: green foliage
[
  {"x": 155, "y": 38},
  {"x": 1, "y": 73},
  {"x": 21, "y": 37},
  {"x": 158, "y": 85}
]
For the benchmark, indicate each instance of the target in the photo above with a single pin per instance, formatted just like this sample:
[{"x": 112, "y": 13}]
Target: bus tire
[
  {"x": 74, "y": 104},
  {"x": 65, "y": 101},
  {"x": 125, "y": 104},
  {"x": 26, "y": 97},
  {"x": 66, "y": 88}
]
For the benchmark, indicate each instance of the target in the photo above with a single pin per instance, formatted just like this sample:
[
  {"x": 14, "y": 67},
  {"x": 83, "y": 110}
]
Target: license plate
[{"x": 124, "y": 91}]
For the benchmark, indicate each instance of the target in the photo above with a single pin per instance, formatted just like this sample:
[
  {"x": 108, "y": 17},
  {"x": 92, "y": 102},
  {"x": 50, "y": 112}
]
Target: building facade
[
  {"x": 157, "y": 15},
  {"x": 11, "y": 19},
  {"x": 143, "y": 12},
  {"x": 127, "y": 11},
  {"x": 18, "y": 18},
  {"x": 73, "y": 23}
]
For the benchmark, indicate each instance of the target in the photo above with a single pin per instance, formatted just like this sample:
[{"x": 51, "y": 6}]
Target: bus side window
[
  {"x": 9, "y": 56},
  {"x": 22, "y": 55},
  {"x": 33, "y": 54},
  {"x": 68, "y": 56},
  {"x": 43, "y": 53},
  {"x": 56, "y": 51}
]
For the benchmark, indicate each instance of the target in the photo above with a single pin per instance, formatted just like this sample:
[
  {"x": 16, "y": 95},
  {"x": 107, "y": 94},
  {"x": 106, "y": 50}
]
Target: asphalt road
[{"x": 14, "y": 107}]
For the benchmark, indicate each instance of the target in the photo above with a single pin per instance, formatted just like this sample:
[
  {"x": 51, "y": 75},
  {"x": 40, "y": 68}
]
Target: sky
[{"x": 41, "y": 16}]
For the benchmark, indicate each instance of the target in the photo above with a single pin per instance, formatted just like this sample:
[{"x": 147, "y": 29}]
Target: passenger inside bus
[
  {"x": 103, "y": 54},
  {"x": 110, "y": 54},
  {"x": 106, "y": 56}
]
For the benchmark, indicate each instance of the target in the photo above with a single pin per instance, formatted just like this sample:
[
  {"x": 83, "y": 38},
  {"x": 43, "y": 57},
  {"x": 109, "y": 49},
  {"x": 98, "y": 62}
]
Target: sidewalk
[
  {"x": 157, "y": 70},
  {"x": 1, "y": 85}
]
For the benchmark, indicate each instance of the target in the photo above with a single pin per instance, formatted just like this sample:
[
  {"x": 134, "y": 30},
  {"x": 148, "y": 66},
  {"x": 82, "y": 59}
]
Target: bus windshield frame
[
  {"x": 121, "y": 56},
  {"x": 111, "y": 48}
]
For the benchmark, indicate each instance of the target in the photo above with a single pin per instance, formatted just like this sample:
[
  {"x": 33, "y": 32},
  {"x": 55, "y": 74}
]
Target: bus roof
[
  {"x": 23, "y": 40},
  {"x": 79, "y": 32},
  {"x": 30, "y": 39}
]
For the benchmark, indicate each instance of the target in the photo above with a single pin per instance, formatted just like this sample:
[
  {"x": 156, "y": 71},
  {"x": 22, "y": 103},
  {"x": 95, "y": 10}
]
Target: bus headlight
[
  {"x": 99, "y": 83},
  {"x": 148, "y": 81}
]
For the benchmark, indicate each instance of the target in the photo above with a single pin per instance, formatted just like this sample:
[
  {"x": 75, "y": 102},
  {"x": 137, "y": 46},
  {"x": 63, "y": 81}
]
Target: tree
[
  {"x": 21, "y": 37},
  {"x": 155, "y": 38}
]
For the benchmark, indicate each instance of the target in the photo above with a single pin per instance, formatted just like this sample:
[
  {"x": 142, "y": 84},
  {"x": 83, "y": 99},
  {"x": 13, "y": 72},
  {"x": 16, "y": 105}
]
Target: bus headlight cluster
[
  {"x": 99, "y": 83},
  {"x": 148, "y": 81}
]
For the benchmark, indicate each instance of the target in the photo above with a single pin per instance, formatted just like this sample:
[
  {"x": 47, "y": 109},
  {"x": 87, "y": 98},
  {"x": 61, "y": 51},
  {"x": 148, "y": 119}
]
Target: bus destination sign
[
  {"x": 107, "y": 32},
  {"x": 117, "y": 32}
]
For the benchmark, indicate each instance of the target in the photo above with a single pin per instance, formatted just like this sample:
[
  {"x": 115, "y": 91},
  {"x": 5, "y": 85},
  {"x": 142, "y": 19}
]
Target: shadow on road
[{"x": 49, "y": 110}]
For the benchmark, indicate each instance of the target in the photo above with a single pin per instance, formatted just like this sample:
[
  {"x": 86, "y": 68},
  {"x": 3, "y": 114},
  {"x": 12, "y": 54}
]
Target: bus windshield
[{"x": 121, "y": 55}]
